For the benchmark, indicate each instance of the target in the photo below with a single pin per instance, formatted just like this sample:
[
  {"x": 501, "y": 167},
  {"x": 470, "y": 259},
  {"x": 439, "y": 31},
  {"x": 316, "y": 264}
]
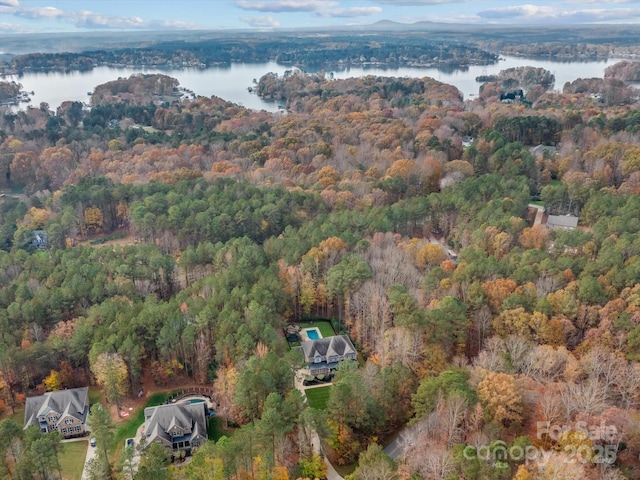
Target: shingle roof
[
  {"x": 565, "y": 221},
  {"x": 68, "y": 402},
  {"x": 328, "y": 346},
  {"x": 188, "y": 416}
]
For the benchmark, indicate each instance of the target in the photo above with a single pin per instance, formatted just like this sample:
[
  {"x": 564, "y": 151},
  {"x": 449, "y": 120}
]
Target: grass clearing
[
  {"x": 326, "y": 330},
  {"x": 318, "y": 397},
  {"x": 216, "y": 429},
  {"x": 95, "y": 395},
  {"x": 129, "y": 427},
  {"x": 18, "y": 415},
  {"x": 72, "y": 459}
]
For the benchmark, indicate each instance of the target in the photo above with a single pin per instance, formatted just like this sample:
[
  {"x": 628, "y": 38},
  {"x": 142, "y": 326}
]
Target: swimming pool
[{"x": 313, "y": 335}]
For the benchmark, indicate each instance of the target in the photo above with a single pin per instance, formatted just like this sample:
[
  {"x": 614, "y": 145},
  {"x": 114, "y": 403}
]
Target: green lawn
[
  {"x": 18, "y": 416},
  {"x": 318, "y": 397},
  {"x": 72, "y": 459},
  {"x": 215, "y": 429},
  {"x": 129, "y": 427},
  {"x": 326, "y": 330},
  {"x": 95, "y": 395}
]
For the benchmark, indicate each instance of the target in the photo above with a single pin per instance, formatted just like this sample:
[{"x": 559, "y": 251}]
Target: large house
[
  {"x": 177, "y": 426},
  {"x": 324, "y": 355},
  {"x": 64, "y": 411}
]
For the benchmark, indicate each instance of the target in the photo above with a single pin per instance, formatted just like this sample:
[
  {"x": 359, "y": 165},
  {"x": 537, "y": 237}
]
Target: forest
[
  {"x": 308, "y": 51},
  {"x": 182, "y": 236}
]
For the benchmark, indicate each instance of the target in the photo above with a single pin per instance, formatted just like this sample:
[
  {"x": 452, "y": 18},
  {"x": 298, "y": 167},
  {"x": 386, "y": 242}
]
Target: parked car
[
  {"x": 128, "y": 442},
  {"x": 92, "y": 442}
]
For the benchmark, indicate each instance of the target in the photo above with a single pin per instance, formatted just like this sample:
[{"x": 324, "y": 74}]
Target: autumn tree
[
  {"x": 53, "y": 382},
  {"x": 111, "y": 373},
  {"x": 498, "y": 392},
  {"x": 374, "y": 464},
  {"x": 225, "y": 386}
]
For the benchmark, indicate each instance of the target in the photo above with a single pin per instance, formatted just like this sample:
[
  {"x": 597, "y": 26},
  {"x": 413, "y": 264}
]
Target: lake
[{"x": 232, "y": 83}]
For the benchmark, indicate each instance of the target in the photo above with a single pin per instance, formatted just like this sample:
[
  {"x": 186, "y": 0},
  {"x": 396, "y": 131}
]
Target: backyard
[
  {"x": 326, "y": 330},
  {"x": 318, "y": 397},
  {"x": 324, "y": 326}
]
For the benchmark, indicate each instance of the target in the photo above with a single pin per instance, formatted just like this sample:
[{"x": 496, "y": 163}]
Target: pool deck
[{"x": 304, "y": 334}]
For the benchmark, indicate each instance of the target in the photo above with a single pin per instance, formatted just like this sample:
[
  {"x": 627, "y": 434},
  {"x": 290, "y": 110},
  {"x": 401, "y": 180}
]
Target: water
[
  {"x": 313, "y": 334},
  {"x": 232, "y": 83}
]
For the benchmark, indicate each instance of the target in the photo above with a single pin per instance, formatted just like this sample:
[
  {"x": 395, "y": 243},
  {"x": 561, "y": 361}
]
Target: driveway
[
  {"x": 91, "y": 453},
  {"x": 315, "y": 440}
]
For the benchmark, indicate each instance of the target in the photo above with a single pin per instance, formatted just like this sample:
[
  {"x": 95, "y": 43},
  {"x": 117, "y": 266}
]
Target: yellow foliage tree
[
  {"x": 499, "y": 395},
  {"x": 93, "y": 219},
  {"x": 430, "y": 255},
  {"x": 523, "y": 473},
  {"x": 280, "y": 473},
  {"x": 512, "y": 322},
  {"x": 328, "y": 176},
  {"x": 34, "y": 218},
  {"x": 111, "y": 373},
  {"x": 53, "y": 382},
  {"x": 534, "y": 237},
  {"x": 225, "y": 384}
]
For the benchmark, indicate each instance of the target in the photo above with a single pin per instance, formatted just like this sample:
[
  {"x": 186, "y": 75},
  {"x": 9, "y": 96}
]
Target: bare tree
[
  {"x": 492, "y": 357},
  {"x": 437, "y": 464},
  {"x": 605, "y": 367},
  {"x": 587, "y": 397},
  {"x": 629, "y": 386},
  {"x": 451, "y": 415},
  {"x": 518, "y": 348}
]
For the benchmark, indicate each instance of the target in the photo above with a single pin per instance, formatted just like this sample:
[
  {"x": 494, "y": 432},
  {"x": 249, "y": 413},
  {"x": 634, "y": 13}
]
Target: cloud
[
  {"x": 44, "y": 12},
  {"x": 173, "y": 25},
  {"x": 91, "y": 20},
  {"x": 599, "y": 2},
  {"x": 264, "y": 21},
  {"x": 520, "y": 11},
  {"x": 9, "y": 3},
  {"x": 318, "y": 8},
  {"x": 87, "y": 19},
  {"x": 352, "y": 12},
  {"x": 413, "y": 3},
  {"x": 545, "y": 14},
  {"x": 280, "y": 6},
  {"x": 14, "y": 28}
]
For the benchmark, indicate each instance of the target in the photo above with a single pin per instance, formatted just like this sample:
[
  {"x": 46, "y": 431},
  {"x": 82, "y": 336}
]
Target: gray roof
[
  {"x": 540, "y": 149},
  {"x": 72, "y": 402},
  {"x": 328, "y": 346},
  {"x": 562, "y": 221},
  {"x": 188, "y": 416}
]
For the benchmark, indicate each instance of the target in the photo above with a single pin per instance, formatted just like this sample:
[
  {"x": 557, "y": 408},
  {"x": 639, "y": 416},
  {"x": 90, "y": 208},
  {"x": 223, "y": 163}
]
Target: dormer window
[{"x": 317, "y": 359}]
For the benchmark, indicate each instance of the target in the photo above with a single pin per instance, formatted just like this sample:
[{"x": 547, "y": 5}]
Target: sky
[{"x": 42, "y": 16}]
